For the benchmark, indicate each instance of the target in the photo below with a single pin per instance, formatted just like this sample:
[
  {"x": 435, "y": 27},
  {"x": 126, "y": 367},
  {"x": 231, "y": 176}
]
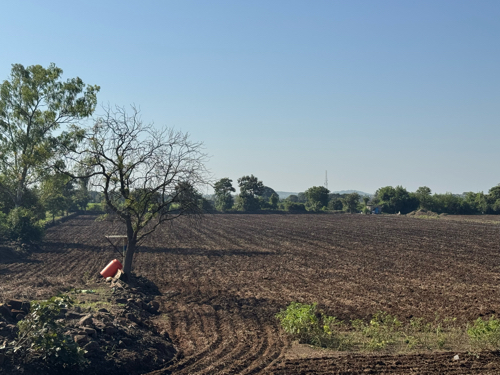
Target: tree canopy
[
  {"x": 34, "y": 103},
  {"x": 223, "y": 198},
  {"x": 317, "y": 195},
  {"x": 147, "y": 175}
]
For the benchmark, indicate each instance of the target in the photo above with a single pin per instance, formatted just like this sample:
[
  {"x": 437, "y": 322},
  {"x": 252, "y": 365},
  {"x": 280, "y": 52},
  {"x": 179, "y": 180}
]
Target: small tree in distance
[
  {"x": 350, "y": 202},
  {"x": 250, "y": 188},
  {"x": 317, "y": 196},
  {"x": 147, "y": 175},
  {"x": 223, "y": 198}
]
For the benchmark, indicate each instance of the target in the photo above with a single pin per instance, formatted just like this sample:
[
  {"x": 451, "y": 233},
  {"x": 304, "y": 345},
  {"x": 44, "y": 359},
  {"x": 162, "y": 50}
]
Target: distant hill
[{"x": 285, "y": 194}]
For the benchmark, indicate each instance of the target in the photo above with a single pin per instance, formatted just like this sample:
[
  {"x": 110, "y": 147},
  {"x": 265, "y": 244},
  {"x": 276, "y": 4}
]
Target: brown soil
[{"x": 223, "y": 280}]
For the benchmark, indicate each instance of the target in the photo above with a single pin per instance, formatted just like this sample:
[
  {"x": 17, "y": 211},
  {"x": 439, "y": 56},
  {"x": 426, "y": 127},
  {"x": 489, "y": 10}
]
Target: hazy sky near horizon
[{"x": 376, "y": 92}]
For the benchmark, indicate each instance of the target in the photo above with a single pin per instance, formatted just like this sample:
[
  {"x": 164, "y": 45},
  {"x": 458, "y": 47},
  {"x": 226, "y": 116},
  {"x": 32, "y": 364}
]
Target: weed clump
[
  {"x": 485, "y": 334},
  {"x": 309, "y": 325},
  {"x": 41, "y": 337},
  {"x": 385, "y": 332}
]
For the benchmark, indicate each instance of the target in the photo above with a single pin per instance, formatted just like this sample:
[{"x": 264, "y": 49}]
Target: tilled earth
[{"x": 223, "y": 280}]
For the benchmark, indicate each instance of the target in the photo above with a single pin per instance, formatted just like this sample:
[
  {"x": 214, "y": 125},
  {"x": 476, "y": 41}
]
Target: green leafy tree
[
  {"x": 250, "y": 189},
  {"x": 396, "y": 200},
  {"x": 57, "y": 193},
  {"x": 273, "y": 201},
  {"x": 317, "y": 196},
  {"x": 293, "y": 198},
  {"x": 302, "y": 197},
  {"x": 350, "y": 202},
  {"x": 494, "y": 198},
  {"x": 424, "y": 197},
  {"x": 267, "y": 193},
  {"x": 34, "y": 103},
  {"x": 223, "y": 199},
  {"x": 335, "y": 204},
  {"x": 450, "y": 203}
]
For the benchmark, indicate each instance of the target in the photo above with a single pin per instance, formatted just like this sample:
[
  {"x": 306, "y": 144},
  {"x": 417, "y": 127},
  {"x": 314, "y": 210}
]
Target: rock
[
  {"x": 92, "y": 347},
  {"x": 456, "y": 358},
  {"x": 110, "y": 330},
  {"x": 16, "y": 312},
  {"x": 81, "y": 339},
  {"x": 5, "y": 311},
  {"x": 20, "y": 316},
  {"x": 127, "y": 341},
  {"x": 89, "y": 331},
  {"x": 16, "y": 304},
  {"x": 85, "y": 321},
  {"x": 133, "y": 318},
  {"x": 71, "y": 315},
  {"x": 26, "y": 307},
  {"x": 153, "y": 307}
]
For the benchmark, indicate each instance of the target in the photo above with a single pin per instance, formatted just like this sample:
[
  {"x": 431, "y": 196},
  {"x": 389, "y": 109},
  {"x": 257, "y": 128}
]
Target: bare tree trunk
[
  {"x": 129, "y": 256},
  {"x": 131, "y": 246}
]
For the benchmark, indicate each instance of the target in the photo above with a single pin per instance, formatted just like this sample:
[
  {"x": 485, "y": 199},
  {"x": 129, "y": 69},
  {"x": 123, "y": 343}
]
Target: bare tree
[{"x": 147, "y": 175}]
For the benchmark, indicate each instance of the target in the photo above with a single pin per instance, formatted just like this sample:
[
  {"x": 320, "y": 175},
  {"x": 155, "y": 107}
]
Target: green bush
[
  {"x": 485, "y": 334},
  {"x": 309, "y": 325},
  {"x": 42, "y": 336},
  {"x": 295, "y": 207},
  {"x": 23, "y": 225}
]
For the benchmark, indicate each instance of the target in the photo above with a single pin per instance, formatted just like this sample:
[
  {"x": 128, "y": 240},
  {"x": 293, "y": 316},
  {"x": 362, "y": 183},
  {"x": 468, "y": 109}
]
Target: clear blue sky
[{"x": 376, "y": 92}]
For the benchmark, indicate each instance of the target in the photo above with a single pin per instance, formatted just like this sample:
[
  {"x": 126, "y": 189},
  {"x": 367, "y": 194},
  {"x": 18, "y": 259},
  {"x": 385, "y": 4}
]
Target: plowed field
[{"x": 224, "y": 279}]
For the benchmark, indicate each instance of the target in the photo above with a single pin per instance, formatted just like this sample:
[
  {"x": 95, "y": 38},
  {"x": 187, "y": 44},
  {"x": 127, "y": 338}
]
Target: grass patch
[{"x": 385, "y": 332}]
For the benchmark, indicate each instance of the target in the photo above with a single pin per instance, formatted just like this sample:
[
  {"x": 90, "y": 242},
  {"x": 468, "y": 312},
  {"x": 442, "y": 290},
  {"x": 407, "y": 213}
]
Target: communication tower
[{"x": 326, "y": 179}]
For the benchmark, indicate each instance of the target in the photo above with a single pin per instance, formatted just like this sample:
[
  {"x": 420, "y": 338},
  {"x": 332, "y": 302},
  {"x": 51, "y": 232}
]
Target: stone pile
[{"x": 120, "y": 335}]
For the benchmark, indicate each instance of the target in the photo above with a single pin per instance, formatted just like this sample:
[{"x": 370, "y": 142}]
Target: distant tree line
[{"x": 254, "y": 195}]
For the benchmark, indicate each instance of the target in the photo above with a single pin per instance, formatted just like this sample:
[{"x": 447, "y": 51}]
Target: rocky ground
[{"x": 111, "y": 321}]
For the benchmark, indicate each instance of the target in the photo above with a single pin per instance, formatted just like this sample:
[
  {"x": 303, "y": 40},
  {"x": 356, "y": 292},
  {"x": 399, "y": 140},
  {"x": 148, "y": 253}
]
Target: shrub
[
  {"x": 295, "y": 207},
  {"x": 42, "y": 336},
  {"x": 308, "y": 325},
  {"x": 23, "y": 225},
  {"x": 485, "y": 334}
]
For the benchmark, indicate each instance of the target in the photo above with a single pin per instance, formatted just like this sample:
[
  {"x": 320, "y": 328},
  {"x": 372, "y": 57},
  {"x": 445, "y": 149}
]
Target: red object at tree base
[{"x": 111, "y": 269}]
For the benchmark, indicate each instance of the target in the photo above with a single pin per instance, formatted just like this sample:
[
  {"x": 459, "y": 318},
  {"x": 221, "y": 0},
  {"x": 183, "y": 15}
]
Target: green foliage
[
  {"x": 41, "y": 335},
  {"x": 250, "y": 185},
  {"x": 309, "y": 325},
  {"x": 350, "y": 202},
  {"x": 273, "y": 201},
  {"x": 485, "y": 334},
  {"x": 395, "y": 200},
  {"x": 23, "y": 225},
  {"x": 34, "y": 103},
  {"x": 223, "y": 199},
  {"x": 380, "y": 331},
  {"x": 335, "y": 204},
  {"x": 383, "y": 332},
  {"x": 317, "y": 196},
  {"x": 294, "y": 207},
  {"x": 250, "y": 189},
  {"x": 315, "y": 206},
  {"x": 424, "y": 197}
]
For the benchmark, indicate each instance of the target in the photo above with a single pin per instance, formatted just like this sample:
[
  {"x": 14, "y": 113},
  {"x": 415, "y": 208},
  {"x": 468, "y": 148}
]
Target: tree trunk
[{"x": 131, "y": 246}]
